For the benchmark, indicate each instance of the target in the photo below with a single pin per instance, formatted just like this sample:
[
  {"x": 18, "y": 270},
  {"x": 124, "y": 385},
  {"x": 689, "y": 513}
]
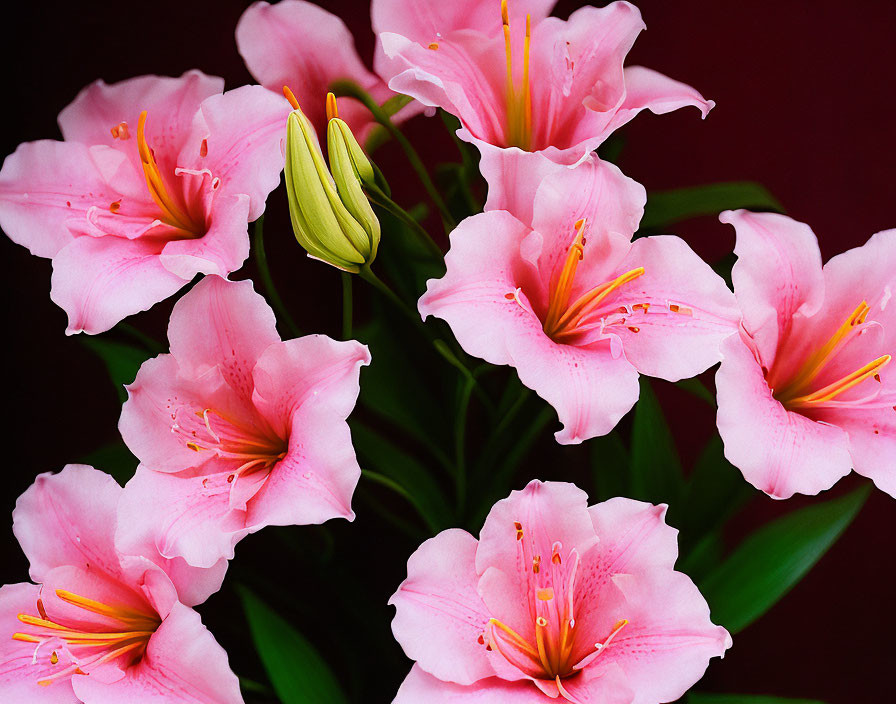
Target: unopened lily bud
[{"x": 328, "y": 216}]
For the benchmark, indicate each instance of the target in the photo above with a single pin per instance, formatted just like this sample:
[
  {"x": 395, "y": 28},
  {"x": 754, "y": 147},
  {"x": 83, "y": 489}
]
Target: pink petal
[
  {"x": 224, "y": 324},
  {"x": 513, "y": 178},
  {"x": 690, "y": 310},
  {"x": 651, "y": 90},
  {"x": 278, "y": 49},
  {"x": 778, "y": 451},
  {"x": 458, "y": 77},
  {"x": 589, "y": 387},
  {"x": 68, "y": 519},
  {"x": 20, "y": 665},
  {"x": 607, "y": 684},
  {"x": 160, "y": 403},
  {"x": 419, "y": 686},
  {"x": 777, "y": 276},
  {"x": 429, "y": 20},
  {"x": 315, "y": 481},
  {"x": 872, "y": 442},
  {"x": 595, "y": 190},
  {"x": 310, "y": 373},
  {"x": 46, "y": 189},
  {"x": 221, "y": 250},
  {"x": 171, "y": 104},
  {"x": 183, "y": 663},
  {"x": 633, "y": 536},
  {"x": 669, "y": 640},
  {"x": 100, "y": 281},
  {"x": 243, "y": 131},
  {"x": 439, "y": 615},
  {"x": 549, "y": 512},
  {"x": 181, "y": 517}
]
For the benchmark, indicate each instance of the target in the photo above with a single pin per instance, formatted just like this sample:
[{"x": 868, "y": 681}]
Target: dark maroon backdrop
[{"x": 805, "y": 95}]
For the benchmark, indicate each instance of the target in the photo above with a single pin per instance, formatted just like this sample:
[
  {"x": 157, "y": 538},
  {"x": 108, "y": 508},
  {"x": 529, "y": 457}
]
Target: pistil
[
  {"x": 518, "y": 97},
  {"x": 172, "y": 213},
  {"x": 136, "y": 628},
  {"x": 797, "y": 394},
  {"x": 562, "y": 320}
]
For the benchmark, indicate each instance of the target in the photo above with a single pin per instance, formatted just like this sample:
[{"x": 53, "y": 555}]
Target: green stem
[
  {"x": 460, "y": 436},
  {"x": 394, "y": 486},
  {"x": 346, "y": 305},
  {"x": 367, "y": 274},
  {"x": 268, "y": 281},
  {"x": 353, "y": 90},
  {"x": 382, "y": 200}
]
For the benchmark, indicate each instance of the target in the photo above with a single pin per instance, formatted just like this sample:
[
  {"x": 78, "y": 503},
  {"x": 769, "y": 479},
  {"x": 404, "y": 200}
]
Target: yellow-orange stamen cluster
[
  {"x": 519, "y": 97},
  {"x": 551, "y": 656},
  {"x": 172, "y": 212},
  {"x": 92, "y": 647},
  {"x": 562, "y": 319},
  {"x": 798, "y": 393}
]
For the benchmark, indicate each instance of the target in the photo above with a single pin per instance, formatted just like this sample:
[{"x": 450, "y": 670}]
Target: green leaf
[
  {"x": 701, "y": 698},
  {"x": 774, "y": 558},
  {"x": 666, "y": 208},
  {"x": 410, "y": 475},
  {"x": 655, "y": 468},
  {"x": 610, "y": 466},
  {"x": 715, "y": 491},
  {"x": 297, "y": 672},
  {"x": 122, "y": 360},
  {"x": 696, "y": 388}
]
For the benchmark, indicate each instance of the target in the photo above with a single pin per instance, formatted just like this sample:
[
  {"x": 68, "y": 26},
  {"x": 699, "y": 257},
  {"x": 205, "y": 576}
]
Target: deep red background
[{"x": 805, "y": 95}]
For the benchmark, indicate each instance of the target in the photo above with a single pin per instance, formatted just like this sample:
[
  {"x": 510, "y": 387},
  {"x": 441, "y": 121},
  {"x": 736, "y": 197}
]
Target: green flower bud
[{"x": 331, "y": 217}]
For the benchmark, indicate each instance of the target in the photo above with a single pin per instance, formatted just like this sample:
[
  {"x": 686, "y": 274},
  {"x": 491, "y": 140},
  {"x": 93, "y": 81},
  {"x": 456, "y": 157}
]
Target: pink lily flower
[
  {"x": 806, "y": 391},
  {"x": 555, "y": 601},
  {"x": 520, "y": 81},
  {"x": 552, "y": 284},
  {"x": 300, "y": 45},
  {"x": 235, "y": 429},
  {"x": 102, "y": 626},
  {"x": 155, "y": 182}
]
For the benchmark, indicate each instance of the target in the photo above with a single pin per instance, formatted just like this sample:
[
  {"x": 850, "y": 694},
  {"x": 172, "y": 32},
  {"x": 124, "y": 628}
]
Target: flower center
[
  {"x": 124, "y": 640},
  {"x": 173, "y": 213},
  {"x": 518, "y": 96},
  {"x": 212, "y": 432},
  {"x": 798, "y": 393},
  {"x": 564, "y": 320},
  {"x": 550, "y": 653}
]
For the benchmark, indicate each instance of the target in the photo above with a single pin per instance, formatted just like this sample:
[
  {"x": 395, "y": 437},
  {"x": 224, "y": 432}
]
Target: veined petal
[
  {"x": 280, "y": 50},
  {"x": 221, "y": 250},
  {"x": 777, "y": 276},
  {"x": 172, "y": 103},
  {"x": 677, "y": 313},
  {"x": 243, "y": 131},
  {"x": 46, "y": 191},
  {"x": 313, "y": 373},
  {"x": 778, "y": 451},
  {"x": 222, "y": 324},
  {"x": 669, "y": 640},
  {"x": 315, "y": 481},
  {"x": 23, "y": 664},
  {"x": 420, "y": 686},
  {"x": 183, "y": 663},
  {"x": 651, "y": 90},
  {"x": 68, "y": 519},
  {"x": 99, "y": 281},
  {"x": 439, "y": 614},
  {"x": 185, "y": 517}
]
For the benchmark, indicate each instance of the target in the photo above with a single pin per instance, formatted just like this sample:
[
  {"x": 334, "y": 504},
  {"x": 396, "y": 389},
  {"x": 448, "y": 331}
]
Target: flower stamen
[
  {"x": 172, "y": 213},
  {"x": 519, "y": 98}
]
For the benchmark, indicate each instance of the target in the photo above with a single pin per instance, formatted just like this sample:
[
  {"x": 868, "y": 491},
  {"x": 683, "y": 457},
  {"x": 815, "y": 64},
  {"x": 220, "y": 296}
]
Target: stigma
[
  {"x": 173, "y": 214},
  {"x": 563, "y": 320},
  {"x": 518, "y": 131},
  {"x": 122, "y": 635},
  {"x": 800, "y": 394}
]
